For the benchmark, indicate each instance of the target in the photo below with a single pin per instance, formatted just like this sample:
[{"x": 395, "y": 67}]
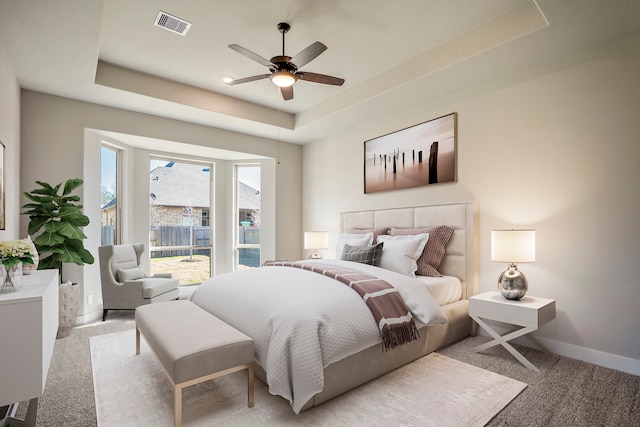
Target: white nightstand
[{"x": 529, "y": 312}]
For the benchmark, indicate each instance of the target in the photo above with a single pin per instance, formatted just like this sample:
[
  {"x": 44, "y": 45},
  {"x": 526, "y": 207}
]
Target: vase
[
  {"x": 11, "y": 278},
  {"x": 31, "y": 268}
]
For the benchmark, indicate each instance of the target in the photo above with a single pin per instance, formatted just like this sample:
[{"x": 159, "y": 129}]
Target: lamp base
[
  {"x": 316, "y": 255},
  {"x": 512, "y": 284}
]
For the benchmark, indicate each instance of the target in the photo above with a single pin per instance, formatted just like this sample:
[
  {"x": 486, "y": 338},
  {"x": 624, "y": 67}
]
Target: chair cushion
[{"x": 154, "y": 286}]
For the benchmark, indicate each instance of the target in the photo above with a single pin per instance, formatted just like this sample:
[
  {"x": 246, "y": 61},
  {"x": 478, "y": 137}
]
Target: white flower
[{"x": 15, "y": 251}]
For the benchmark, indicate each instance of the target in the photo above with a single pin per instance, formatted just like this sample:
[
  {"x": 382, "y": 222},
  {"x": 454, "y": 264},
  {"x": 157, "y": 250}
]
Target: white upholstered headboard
[{"x": 461, "y": 255}]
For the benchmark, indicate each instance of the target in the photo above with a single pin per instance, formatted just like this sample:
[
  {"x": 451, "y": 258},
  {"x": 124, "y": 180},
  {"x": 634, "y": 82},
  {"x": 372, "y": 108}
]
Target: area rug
[{"x": 432, "y": 391}]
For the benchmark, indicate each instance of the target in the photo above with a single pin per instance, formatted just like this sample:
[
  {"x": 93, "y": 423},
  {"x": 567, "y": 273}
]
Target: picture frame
[
  {"x": 2, "y": 187},
  {"x": 422, "y": 154}
]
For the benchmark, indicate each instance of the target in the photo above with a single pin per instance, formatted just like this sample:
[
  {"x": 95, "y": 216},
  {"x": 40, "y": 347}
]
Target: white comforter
[{"x": 302, "y": 321}]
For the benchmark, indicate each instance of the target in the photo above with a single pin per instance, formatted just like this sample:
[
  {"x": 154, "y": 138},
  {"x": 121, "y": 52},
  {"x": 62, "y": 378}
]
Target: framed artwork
[
  {"x": 422, "y": 154},
  {"x": 2, "y": 187}
]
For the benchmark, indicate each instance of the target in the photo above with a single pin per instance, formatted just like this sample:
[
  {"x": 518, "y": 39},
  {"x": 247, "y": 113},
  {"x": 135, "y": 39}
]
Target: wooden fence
[{"x": 178, "y": 235}]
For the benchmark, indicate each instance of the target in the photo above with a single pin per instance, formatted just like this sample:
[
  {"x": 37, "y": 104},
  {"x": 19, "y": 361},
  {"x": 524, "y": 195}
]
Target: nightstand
[{"x": 528, "y": 312}]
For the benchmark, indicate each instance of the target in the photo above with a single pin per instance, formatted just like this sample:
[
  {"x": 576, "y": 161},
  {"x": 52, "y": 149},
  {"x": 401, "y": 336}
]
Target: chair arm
[
  {"x": 163, "y": 275},
  {"x": 133, "y": 286},
  {"x": 125, "y": 295}
]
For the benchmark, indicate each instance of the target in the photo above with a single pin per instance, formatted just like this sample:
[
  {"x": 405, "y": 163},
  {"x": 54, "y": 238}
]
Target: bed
[{"x": 314, "y": 360}]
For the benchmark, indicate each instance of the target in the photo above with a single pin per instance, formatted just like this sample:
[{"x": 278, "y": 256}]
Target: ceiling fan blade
[
  {"x": 320, "y": 78},
  {"x": 254, "y": 56},
  {"x": 287, "y": 93},
  {"x": 308, "y": 54},
  {"x": 248, "y": 79}
]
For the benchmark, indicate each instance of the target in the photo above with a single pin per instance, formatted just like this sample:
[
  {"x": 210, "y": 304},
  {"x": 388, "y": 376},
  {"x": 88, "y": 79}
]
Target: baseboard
[
  {"x": 597, "y": 357},
  {"x": 84, "y": 319}
]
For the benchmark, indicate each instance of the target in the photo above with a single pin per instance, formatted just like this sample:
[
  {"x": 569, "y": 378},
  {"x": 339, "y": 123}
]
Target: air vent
[{"x": 172, "y": 23}]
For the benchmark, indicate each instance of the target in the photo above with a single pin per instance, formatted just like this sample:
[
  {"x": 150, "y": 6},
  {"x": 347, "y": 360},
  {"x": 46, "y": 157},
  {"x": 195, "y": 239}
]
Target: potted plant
[{"x": 55, "y": 221}]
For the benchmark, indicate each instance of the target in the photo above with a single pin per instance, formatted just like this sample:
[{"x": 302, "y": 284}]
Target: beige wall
[
  {"x": 556, "y": 149},
  {"x": 58, "y": 142}
]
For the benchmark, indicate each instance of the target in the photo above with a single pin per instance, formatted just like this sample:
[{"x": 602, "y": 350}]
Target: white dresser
[{"x": 28, "y": 326}]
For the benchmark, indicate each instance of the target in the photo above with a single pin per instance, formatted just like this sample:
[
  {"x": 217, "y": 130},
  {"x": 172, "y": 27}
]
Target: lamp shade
[
  {"x": 316, "y": 239},
  {"x": 513, "y": 246}
]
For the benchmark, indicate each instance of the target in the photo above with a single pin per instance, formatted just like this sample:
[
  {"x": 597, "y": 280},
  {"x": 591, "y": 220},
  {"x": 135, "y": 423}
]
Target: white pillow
[
  {"x": 353, "y": 240},
  {"x": 401, "y": 253}
]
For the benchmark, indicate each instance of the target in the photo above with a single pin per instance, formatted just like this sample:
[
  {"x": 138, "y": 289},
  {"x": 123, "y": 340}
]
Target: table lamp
[
  {"x": 513, "y": 246},
  {"x": 316, "y": 240}
]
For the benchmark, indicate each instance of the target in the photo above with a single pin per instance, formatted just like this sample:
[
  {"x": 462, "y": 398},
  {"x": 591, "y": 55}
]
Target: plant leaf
[{"x": 71, "y": 185}]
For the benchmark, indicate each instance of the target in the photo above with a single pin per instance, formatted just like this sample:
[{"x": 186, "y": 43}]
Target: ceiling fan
[{"x": 284, "y": 70}]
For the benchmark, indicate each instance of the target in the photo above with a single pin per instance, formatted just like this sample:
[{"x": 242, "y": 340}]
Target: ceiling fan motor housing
[{"x": 282, "y": 64}]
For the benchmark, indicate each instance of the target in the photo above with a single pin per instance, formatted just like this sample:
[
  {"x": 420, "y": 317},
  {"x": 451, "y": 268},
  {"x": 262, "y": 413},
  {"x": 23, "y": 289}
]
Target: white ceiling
[{"x": 393, "y": 55}]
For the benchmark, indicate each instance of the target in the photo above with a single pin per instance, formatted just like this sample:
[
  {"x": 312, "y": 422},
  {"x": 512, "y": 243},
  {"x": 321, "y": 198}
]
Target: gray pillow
[
  {"x": 130, "y": 274},
  {"x": 363, "y": 254}
]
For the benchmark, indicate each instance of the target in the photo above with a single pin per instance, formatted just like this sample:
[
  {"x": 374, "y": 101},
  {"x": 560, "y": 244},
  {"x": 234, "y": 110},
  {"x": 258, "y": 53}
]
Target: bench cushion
[{"x": 189, "y": 341}]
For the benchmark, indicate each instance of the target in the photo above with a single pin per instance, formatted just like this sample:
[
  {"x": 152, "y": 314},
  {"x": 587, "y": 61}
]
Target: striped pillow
[
  {"x": 434, "y": 250},
  {"x": 376, "y": 232},
  {"x": 363, "y": 254}
]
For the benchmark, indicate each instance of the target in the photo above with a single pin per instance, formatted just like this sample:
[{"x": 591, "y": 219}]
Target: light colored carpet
[{"x": 435, "y": 390}]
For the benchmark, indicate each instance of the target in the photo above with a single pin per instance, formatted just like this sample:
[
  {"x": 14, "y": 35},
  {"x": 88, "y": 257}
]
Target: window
[
  {"x": 109, "y": 206},
  {"x": 247, "y": 213},
  {"x": 180, "y": 234}
]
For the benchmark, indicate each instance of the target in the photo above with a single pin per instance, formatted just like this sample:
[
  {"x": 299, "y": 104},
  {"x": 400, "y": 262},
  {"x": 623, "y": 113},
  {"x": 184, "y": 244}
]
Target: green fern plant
[{"x": 54, "y": 222}]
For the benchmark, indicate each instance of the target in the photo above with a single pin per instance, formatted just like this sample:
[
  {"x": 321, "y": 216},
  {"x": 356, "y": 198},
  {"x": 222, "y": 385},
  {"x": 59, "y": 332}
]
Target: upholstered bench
[{"x": 193, "y": 346}]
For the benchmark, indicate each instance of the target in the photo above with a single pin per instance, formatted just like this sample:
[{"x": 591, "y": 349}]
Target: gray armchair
[{"x": 125, "y": 285}]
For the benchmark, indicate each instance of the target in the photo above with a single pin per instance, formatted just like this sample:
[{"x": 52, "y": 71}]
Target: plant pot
[{"x": 69, "y": 300}]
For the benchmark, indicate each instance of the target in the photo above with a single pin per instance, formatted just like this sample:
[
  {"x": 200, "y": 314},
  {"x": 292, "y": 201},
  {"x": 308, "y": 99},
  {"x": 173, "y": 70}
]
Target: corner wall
[
  {"x": 10, "y": 137},
  {"x": 555, "y": 148}
]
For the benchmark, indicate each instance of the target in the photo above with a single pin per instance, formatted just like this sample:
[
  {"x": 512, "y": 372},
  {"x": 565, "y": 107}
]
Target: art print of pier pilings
[{"x": 419, "y": 155}]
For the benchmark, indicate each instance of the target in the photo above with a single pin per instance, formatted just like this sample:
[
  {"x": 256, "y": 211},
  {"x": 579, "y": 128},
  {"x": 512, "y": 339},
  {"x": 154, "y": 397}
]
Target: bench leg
[
  {"x": 177, "y": 406},
  {"x": 250, "y": 384},
  {"x": 137, "y": 341}
]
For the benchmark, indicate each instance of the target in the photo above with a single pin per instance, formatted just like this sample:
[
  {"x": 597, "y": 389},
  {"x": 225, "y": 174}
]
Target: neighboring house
[
  {"x": 179, "y": 195},
  {"x": 108, "y": 213}
]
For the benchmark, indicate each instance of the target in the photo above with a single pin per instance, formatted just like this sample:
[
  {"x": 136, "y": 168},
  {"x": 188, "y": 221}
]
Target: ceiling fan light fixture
[{"x": 283, "y": 78}]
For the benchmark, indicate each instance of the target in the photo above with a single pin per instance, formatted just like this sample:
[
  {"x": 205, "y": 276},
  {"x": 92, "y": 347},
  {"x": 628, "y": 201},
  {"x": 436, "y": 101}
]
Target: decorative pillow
[
  {"x": 400, "y": 253},
  {"x": 353, "y": 240},
  {"x": 363, "y": 254},
  {"x": 434, "y": 250},
  {"x": 376, "y": 232},
  {"x": 134, "y": 273}
]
